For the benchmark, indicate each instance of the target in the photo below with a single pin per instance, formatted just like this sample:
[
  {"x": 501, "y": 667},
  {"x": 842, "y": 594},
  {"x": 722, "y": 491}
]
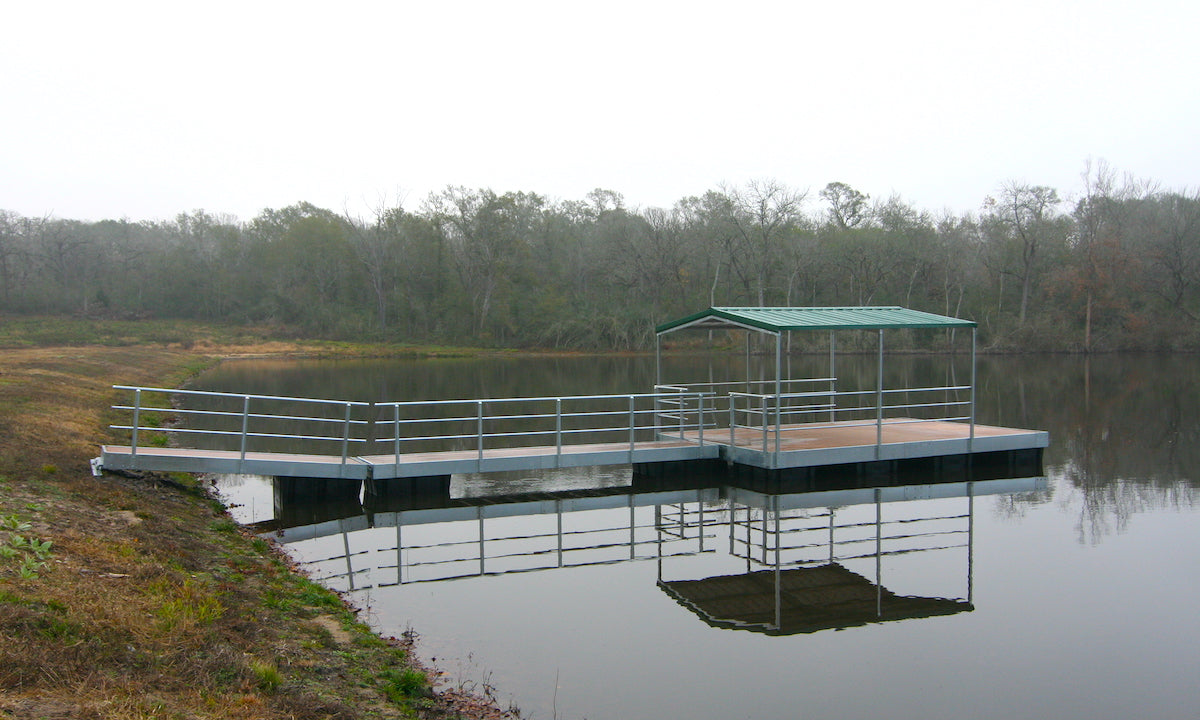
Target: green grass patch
[
  {"x": 278, "y": 599},
  {"x": 403, "y": 685},
  {"x": 191, "y": 602},
  {"x": 21, "y": 553},
  {"x": 267, "y": 677},
  {"x": 225, "y": 526},
  {"x": 317, "y": 596}
]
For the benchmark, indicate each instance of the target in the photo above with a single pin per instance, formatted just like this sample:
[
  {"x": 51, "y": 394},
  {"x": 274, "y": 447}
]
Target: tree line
[{"x": 1115, "y": 267}]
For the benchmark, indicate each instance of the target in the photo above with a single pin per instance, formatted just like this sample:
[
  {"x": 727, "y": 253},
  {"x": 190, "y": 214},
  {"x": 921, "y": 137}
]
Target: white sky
[{"x": 145, "y": 110}]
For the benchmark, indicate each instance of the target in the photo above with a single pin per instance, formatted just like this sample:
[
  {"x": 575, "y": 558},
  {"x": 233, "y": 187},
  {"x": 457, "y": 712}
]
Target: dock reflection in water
[{"x": 777, "y": 563}]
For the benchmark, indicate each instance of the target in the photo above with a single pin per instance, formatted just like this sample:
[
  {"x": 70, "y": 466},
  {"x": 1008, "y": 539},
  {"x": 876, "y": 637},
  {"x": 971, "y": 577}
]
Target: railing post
[
  {"x": 633, "y": 427},
  {"x": 245, "y": 427},
  {"x": 778, "y": 422},
  {"x": 346, "y": 438},
  {"x": 372, "y": 432},
  {"x": 764, "y": 422},
  {"x": 396, "y": 415},
  {"x": 557, "y": 432},
  {"x": 479, "y": 432},
  {"x": 700, "y": 410},
  {"x": 682, "y": 404},
  {"x": 137, "y": 413},
  {"x": 732, "y": 418}
]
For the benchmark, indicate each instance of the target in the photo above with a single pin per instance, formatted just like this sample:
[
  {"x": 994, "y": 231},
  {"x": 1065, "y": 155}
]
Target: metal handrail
[
  {"x": 686, "y": 413},
  {"x": 762, "y": 411},
  {"x": 673, "y": 413},
  {"x": 346, "y": 422},
  {"x": 743, "y": 383}
]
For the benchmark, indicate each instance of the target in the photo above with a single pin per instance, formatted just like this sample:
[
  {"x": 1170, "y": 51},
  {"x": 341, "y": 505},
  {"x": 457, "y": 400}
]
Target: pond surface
[{"x": 1065, "y": 592}]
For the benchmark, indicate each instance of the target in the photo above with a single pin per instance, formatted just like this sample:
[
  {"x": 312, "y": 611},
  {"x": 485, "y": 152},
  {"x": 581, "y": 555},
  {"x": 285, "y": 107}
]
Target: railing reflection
[
  {"x": 796, "y": 548},
  {"x": 497, "y": 536},
  {"x": 786, "y": 565}
]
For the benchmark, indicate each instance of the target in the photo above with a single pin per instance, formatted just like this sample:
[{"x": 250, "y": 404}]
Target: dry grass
[{"x": 148, "y": 601}]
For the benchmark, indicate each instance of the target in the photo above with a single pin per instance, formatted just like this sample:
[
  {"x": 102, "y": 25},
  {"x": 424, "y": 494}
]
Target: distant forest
[{"x": 1116, "y": 268}]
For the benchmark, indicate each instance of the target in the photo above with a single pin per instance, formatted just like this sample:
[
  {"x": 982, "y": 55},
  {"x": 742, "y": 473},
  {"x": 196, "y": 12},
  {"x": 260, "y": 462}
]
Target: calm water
[{"x": 1068, "y": 593}]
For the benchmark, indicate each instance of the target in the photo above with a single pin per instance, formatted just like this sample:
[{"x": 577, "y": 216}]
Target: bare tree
[
  {"x": 10, "y": 235},
  {"x": 1176, "y": 249},
  {"x": 765, "y": 212},
  {"x": 377, "y": 245},
  {"x": 1103, "y": 216},
  {"x": 1023, "y": 220}
]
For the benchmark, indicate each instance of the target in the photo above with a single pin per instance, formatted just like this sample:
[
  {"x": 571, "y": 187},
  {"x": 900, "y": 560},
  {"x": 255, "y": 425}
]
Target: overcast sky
[{"x": 145, "y": 110}]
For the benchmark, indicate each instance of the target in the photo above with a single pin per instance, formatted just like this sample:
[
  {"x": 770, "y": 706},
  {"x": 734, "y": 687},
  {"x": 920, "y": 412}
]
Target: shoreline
[{"x": 145, "y": 597}]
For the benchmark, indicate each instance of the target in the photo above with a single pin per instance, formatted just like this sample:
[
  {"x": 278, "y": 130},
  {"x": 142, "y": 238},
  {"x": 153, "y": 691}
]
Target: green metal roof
[{"x": 778, "y": 319}]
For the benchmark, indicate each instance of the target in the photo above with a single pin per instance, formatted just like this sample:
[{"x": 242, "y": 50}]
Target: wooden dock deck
[{"x": 839, "y": 443}]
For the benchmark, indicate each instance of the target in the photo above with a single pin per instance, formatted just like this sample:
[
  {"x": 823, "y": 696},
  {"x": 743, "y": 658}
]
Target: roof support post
[
  {"x": 832, "y": 378},
  {"x": 778, "y": 392},
  {"x": 971, "y": 438},
  {"x": 879, "y": 398},
  {"x": 658, "y": 359},
  {"x": 749, "y": 386}
]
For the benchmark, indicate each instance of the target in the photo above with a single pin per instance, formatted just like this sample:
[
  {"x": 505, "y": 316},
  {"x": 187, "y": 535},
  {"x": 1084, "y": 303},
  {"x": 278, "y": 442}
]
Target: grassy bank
[{"x": 136, "y": 596}]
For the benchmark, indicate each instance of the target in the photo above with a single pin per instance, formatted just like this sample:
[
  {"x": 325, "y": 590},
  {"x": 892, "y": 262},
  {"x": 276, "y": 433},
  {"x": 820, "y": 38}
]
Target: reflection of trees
[
  {"x": 1124, "y": 430},
  {"x": 1015, "y": 506},
  {"x": 1106, "y": 507}
]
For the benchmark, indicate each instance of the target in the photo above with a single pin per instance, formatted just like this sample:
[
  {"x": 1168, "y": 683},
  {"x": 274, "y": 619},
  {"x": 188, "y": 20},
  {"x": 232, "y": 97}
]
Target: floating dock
[{"x": 772, "y": 426}]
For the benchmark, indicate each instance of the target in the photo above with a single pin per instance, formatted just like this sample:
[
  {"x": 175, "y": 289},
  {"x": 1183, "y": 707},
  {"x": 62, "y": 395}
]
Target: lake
[{"x": 1065, "y": 592}]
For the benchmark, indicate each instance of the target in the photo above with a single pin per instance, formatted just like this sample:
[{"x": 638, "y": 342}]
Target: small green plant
[
  {"x": 266, "y": 676},
  {"x": 29, "y": 553},
  {"x": 191, "y": 602},
  {"x": 13, "y": 524},
  {"x": 29, "y": 568},
  {"x": 276, "y": 600},
  {"x": 224, "y": 525},
  {"x": 57, "y": 628},
  {"x": 314, "y": 595},
  {"x": 366, "y": 639},
  {"x": 400, "y": 686}
]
